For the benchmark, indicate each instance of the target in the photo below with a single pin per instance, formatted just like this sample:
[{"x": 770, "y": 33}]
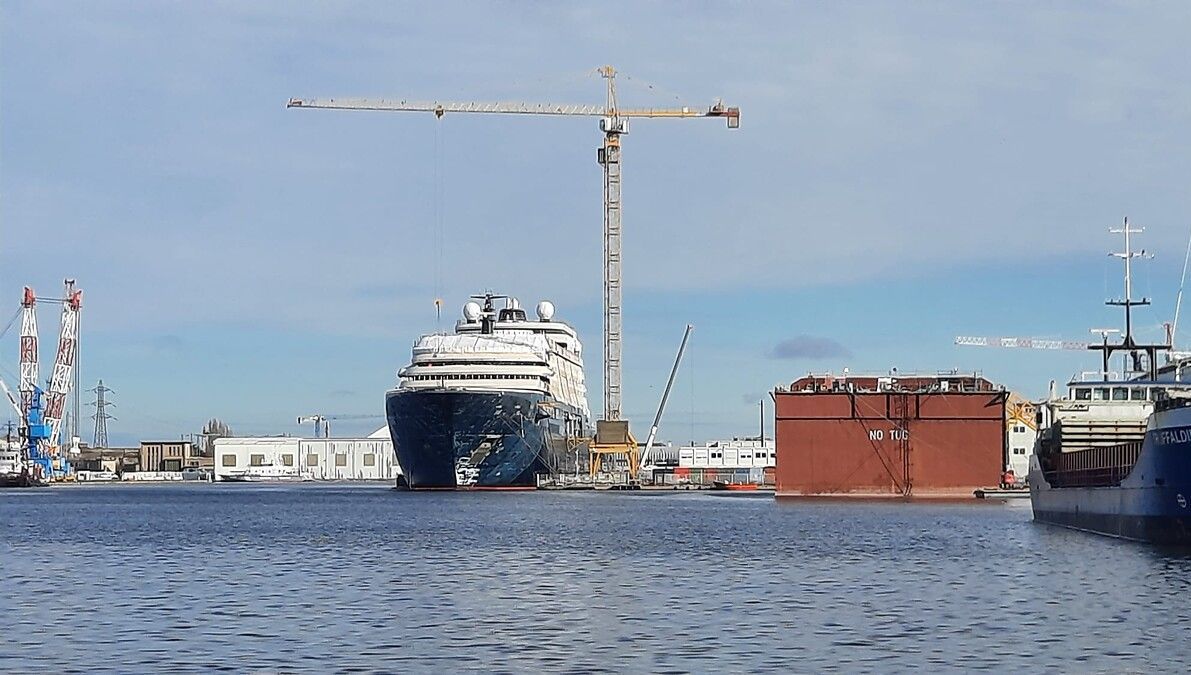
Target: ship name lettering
[
  {"x": 895, "y": 434},
  {"x": 1171, "y": 436}
]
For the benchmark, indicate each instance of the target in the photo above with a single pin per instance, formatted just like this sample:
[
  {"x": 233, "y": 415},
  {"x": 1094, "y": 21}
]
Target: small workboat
[{"x": 724, "y": 485}]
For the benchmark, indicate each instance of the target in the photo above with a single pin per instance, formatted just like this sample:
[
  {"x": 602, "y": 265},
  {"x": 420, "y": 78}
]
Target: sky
[{"x": 904, "y": 173}]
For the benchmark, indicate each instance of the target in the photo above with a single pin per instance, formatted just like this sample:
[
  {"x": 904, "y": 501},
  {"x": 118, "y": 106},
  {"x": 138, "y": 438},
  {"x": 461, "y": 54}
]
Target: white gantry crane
[
  {"x": 614, "y": 437},
  {"x": 1019, "y": 343}
]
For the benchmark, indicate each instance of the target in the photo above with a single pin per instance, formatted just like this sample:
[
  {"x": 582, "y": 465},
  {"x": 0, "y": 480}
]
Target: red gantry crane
[{"x": 612, "y": 433}]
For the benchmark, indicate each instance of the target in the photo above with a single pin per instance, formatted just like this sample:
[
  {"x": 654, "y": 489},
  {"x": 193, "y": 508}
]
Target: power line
[{"x": 101, "y": 415}]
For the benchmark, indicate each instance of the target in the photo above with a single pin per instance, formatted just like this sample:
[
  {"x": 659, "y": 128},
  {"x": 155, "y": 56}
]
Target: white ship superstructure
[{"x": 507, "y": 352}]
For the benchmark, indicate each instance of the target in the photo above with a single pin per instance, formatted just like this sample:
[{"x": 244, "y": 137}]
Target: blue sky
[{"x": 904, "y": 172}]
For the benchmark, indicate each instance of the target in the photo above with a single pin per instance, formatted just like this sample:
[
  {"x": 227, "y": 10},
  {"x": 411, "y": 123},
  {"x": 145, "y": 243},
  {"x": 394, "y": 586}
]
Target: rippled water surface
[{"x": 327, "y": 578}]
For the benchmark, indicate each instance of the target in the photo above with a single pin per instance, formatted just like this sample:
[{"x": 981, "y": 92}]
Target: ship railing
[
  {"x": 841, "y": 386},
  {"x": 1103, "y": 477},
  {"x": 1093, "y": 467}
]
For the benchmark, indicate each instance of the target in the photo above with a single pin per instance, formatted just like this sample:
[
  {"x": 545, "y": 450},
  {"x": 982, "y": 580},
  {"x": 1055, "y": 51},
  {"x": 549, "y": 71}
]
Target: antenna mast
[{"x": 1128, "y": 343}]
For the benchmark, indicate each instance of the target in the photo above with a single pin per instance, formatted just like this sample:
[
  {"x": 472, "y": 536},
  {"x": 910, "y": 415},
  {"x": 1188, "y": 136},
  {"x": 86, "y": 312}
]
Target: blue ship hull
[
  {"x": 1151, "y": 504},
  {"x": 453, "y": 439}
]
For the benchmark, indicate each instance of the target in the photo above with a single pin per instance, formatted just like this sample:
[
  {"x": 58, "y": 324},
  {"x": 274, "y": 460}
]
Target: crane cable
[
  {"x": 4, "y": 371},
  {"x": 438, "y": 221},
  {"x": 691, "y": 369},
  {"x": 10, "y": 322},
  {"x": 1178, "y": 303}
]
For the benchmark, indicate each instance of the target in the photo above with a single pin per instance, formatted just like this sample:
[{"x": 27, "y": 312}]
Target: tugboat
[
  {"x": 1114, "y": 455},
  {"x": 492, "y": 406}
]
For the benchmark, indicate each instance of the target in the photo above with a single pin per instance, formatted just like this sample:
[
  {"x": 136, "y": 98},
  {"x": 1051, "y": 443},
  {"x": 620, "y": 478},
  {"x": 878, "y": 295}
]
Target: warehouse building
[
  {"x": 291, "y": 458},
  {"x": 167, "y": 455}
]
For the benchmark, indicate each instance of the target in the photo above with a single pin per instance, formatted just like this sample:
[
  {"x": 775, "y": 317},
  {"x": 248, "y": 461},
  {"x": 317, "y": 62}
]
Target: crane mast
[
  {"x": 63, "y": 374},
  {"x": 29, "y": 365},
  {"x": 613, "y": 124}
]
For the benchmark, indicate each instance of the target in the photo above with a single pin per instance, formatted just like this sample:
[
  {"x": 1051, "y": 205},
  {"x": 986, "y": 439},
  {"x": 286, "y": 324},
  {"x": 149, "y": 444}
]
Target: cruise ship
[
  {"x": 1113, "y": 454},
  {"x": 493, "y": 405}
]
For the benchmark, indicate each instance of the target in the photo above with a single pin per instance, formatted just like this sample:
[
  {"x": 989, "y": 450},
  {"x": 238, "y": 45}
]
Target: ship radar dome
[
  {"x": 545, "y": 310},
  {"x": 471, "y": 312}
]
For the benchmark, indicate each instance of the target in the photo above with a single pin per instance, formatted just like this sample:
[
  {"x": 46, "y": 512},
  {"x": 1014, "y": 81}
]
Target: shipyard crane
[
  {"x": 68, "y": 349},
  {"x": 1019, "y": 343},
  {"x": 323, "y": 422},
  {"x": 49, "y": 417},
  {"x": 318, "y": 421},
  {"x": 657, "y": 419},
  {"x": 612, "y": 433},
  {"x": 1036, "y": 343}
]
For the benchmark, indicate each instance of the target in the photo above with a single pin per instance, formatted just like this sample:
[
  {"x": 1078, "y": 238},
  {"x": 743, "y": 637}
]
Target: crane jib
[{"x": 508, "y": 108}]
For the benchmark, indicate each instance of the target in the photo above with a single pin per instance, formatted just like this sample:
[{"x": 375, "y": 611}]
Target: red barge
[{"x": 940, "y": 435}]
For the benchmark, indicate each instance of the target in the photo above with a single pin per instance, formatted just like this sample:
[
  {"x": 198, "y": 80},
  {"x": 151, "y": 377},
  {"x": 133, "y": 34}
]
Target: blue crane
[{"x": 37, "y": 435}]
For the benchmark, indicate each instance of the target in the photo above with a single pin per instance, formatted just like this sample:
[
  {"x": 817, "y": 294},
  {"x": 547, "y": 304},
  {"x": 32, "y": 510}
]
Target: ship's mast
[
  {"x": 1128, "y": 343},
  {"x": 487, "y": 311}
]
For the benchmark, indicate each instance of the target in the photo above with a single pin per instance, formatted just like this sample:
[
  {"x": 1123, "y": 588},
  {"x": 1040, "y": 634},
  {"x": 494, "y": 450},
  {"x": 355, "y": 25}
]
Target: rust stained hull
[{"x": 888, "y": 444}]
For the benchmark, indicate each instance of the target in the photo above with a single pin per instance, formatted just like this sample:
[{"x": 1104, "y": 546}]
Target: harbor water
[{"x": 325, "y": 578}]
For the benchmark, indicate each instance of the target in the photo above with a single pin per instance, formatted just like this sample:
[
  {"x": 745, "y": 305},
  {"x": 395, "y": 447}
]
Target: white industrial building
[
  {"x": 739, "y": 460},
  {"x": 290, "y": 458},
  {"x": 733, "y": 454}
]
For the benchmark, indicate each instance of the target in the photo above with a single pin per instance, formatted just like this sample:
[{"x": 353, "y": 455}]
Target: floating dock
[{"x": 892, "y": 435}]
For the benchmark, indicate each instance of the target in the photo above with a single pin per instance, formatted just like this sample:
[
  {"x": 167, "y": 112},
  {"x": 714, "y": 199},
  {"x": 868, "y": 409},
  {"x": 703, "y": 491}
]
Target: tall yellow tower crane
[{"x": 612, "y": 433}]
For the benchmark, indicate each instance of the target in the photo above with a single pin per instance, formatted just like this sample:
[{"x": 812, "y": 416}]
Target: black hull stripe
[{"x": 1167, "y": 530}]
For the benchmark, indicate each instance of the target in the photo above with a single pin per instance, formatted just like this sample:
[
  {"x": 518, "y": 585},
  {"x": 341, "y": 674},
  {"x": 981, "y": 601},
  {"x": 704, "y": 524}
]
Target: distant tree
[{"x": 212, "y": 430}]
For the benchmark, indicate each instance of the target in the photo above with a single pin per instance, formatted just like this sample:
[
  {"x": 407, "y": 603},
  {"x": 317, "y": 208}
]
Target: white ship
[{"x": 493, "y": 405}]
